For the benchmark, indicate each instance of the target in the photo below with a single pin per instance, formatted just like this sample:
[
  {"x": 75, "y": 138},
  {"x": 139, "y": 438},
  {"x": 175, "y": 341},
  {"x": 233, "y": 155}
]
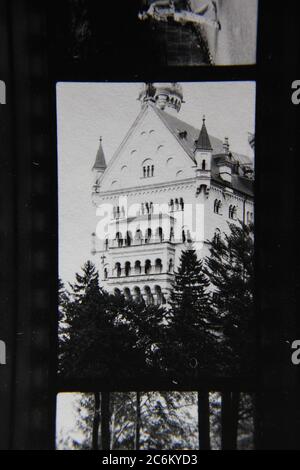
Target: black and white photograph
[
  {"x": 155, "y": 421},
  {"x": 148, "y": 229},
  {"x": 156, "y": 232},
  {"x": 166, "y": 33}
]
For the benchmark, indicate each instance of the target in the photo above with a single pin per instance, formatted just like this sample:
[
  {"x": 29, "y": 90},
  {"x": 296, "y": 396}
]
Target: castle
[{"x": 167, "y": 185}]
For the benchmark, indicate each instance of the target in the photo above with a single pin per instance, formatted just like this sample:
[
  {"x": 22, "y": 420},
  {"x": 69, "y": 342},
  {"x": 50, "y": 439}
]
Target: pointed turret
[
  {"x": 203, "y": 155},
  {"x": 203, "y": 142},
  {"x": 100, "y": 164},
  {"x": 99, "y": 167}
]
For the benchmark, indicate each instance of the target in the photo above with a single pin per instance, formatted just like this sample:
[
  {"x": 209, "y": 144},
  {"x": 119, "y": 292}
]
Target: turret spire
[
  {"x": 203, "y": 142},
  {"x": 100, "y": 163}
]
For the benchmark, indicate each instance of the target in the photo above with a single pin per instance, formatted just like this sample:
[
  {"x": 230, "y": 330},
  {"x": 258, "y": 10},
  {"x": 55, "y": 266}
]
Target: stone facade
[{"x": 168, "y": 184}]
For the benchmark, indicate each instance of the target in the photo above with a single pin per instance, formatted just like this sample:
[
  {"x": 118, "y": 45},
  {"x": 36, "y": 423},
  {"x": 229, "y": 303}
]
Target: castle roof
[{"x": 187, "y": 135}]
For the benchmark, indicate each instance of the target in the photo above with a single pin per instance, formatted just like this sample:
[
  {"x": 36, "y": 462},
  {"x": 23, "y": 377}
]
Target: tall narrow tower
[
  {"x": 203, "y": 156},
  {"x": 99, "y": 168}
]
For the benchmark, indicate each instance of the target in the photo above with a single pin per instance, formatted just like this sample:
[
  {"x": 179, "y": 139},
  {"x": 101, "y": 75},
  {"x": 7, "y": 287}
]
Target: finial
[
  {"x": 204, "y": 119},
  {"x": 100, "y": 138}
]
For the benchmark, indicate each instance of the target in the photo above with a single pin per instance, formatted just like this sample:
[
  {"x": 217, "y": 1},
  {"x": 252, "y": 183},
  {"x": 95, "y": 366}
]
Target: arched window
[
  {"x": 232, "y": 212},
  {"x": 158, "y": 265},
  {"x": 151, "y": 208},
  {"x": 138, "y": 236},
  {"x": 171, "y": 266},
  {"x": 137, "y": 295},
  {"x": 159, "y": 236},
  {"x": 105, "y": 273},
  {"x": 176, "y": 204},
  {"x": 148, "y": 295},
  {"x": 118, "y": 269},
  {"x": 127, "y": 268},
  {"x": 171, "y": 204},
  {"x": 128, "y": 240},
  {"x": 148, "y": 168},
  {"x": 183, "y": 236},
  {"x": 171, "y": 234},
  {"x": 217, "y": 206},
  {"x": 119, "y": 239},
  {"x": 181, "y": 204},
  {"x": 159, "y": 295},
  {"x": 127, "y": 293},
  {"x": 137, "y": 267},
  {"x": 106, "y": 244},
  {"x": 148, "y": 235},
  {"x": 148, "y": 266},
  {"x": 203, "y": 165}
]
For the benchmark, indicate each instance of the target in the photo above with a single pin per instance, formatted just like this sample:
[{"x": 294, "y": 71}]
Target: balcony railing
[
  {"x": 124, "y": 243},
  {"x": 143, "y": 271}
]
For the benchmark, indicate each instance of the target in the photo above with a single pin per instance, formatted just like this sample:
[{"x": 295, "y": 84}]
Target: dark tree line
[{"x": 207, "y": 331}]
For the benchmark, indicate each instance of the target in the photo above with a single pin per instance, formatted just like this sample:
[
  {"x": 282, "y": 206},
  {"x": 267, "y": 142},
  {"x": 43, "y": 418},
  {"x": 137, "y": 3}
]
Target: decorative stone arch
[
  {"x": 158, "y": 265},
  {"x": 127, "y": 293},
  {"x": 127, "y": 269},
  {"x": 148, "y": 296},
  {"x": 137, "y": 295},
  {"x": 118, "y": 269},
  {"x": 137, "y": 267},
  {"x": 148, "y": 266},
  {"x": 159, "y": 296}
]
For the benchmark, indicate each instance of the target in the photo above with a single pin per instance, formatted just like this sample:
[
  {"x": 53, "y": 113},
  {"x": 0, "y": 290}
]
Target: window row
[
  {"x": 118, "y": 212},
  {"x": 232, "y": 211},
  {"x": 148, "y": 171},
  {"x": 137, "y": 268},
  {"x": 147, "y": 237},
  {"x": 176, "y": 204},
  {"x": 144, "y": 295}
]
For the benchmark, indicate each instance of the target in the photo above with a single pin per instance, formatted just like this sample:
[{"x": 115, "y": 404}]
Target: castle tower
[
  {"x": 203, "y": 156},
  {"x": 167, "y": 96},
  {"x": 99, "y": 167}
]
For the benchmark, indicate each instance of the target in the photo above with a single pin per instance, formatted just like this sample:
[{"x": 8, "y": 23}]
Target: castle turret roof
[
  {"x": 100, "y": 163},
  {"x": 203, "y": 141}
]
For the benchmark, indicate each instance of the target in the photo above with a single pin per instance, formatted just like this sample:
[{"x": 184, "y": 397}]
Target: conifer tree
[
  {"x": 230, "y": 268},
  {"x": 190, "y": 342}
]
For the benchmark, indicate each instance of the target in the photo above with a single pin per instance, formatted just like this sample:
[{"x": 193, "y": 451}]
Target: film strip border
[{"x": 28, "y": 232}]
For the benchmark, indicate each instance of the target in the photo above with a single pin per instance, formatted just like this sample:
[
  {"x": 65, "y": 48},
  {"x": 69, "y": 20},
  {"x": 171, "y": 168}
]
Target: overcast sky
[{"x": 86, "y": 111}]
